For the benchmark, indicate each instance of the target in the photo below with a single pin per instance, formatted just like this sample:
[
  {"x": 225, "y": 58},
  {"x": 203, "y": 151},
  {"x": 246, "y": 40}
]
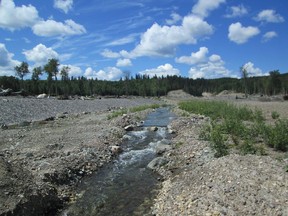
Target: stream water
[{"x": 126, "y": 186}]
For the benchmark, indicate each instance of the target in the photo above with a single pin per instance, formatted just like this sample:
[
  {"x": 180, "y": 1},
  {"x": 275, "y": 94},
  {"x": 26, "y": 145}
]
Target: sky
[{"x": 110, "y": 39}]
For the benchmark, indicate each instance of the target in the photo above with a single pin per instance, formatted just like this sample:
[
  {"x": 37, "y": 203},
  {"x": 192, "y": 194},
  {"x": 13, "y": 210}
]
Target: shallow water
[{"x": 125, "y": 186}]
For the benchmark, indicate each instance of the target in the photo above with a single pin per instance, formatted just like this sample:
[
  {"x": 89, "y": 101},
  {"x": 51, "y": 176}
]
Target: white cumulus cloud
[
  {"x": 74, "y": 71},
  {"x": 162, "y": 70},
  {"x": 236, "y": 11},
  {"x": 40, "y": 54},
  {"x": 203, "y": 7},
  {"x": 109, "y": 73},
  {"x": 163, "y": 40},
  {"x": 13, "y": 17},
  {"x": 175, "y": 18},
  {"x": 195, "y": 58},
  {"x": 240, "y": 34},
  {"x": 252, "y": 70},
  {"x": 208, "y": 67},
  {"x": 51, "y": 28},
  {"x": 269, "y": 35},
  {"x": 110, "y": 54},
  {"x": 123, "y": 63},
  {"x": 7, "y": 63},
  {"x": 64, "y": 5},
  {"x": 269, "y": 16}
]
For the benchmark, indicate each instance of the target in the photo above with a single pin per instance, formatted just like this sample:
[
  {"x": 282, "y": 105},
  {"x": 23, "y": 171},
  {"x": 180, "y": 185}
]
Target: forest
[{"x": 140, "y": 85}]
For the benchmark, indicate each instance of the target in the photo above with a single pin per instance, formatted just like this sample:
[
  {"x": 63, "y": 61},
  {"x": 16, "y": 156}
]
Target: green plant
[
  {"x": 115, "y": 114},
  {"x": 277, "y": 136},
  {"x": 218, "y": 142},
  {"x": 275, "y": 115},
  {"x": 248, "y": 148}
]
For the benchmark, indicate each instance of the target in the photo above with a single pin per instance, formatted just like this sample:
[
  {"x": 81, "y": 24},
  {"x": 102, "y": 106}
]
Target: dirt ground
[{"x": 42, "y": 161}]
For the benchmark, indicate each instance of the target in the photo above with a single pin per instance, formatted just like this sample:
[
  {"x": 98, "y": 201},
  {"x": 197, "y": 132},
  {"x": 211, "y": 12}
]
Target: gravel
[
  {"x": 196, "y": 183},
  {"x": 16, "y": 110}
]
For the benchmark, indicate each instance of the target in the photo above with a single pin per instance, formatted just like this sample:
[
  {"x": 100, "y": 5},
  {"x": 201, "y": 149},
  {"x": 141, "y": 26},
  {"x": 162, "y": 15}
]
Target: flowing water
[{"x": 126, "y": 186}]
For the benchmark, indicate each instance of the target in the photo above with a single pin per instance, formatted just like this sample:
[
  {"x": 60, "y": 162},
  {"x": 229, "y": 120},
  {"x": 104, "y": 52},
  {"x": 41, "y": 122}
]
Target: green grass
[
  {"x": 117, "y": 113},
  {"x": 239, "y": 125}
]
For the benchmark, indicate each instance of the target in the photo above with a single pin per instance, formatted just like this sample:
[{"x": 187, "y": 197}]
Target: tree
[
  {"x": 35, "y": 78},
  {"x": 244, "y": 74},
  {"x": 65, "y": 73},
  {"x": 22, "y": 70},
  {"x": 36, "y": 73},
  {"x": 275, "y": 81},
  {"x": 51, "y": 68}
]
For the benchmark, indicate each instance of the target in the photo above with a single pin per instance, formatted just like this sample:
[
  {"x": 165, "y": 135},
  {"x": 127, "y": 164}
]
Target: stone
[
  {"x": 129, "y": 128},
  {"x": 116, "y": 149},
  {"x": 41, "y": 96},
  {"x": 157, "y": 162},
  {"x": 154, "y": 128},
  {"x": 161, "y": 148}
]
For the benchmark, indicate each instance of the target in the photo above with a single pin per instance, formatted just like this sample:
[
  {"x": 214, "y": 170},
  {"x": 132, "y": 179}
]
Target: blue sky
[{"x": 109, "y": 39}]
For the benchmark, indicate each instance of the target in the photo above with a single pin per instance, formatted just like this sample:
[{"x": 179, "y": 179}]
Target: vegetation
[
  {"x": 132, "y": 110},
  {"x": 59, "y": 83},
  {"x": 239, "y": 128}
]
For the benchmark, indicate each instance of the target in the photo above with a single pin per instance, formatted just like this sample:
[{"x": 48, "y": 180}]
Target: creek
[{"x": 126, "y": 186}]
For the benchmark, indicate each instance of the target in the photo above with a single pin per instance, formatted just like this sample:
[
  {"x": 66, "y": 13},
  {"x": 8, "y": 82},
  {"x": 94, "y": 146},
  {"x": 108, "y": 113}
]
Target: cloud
[
  {"x": 163, "y": 40},
  {"x": 240, "y": 34},
  {"x": 123, "y": 63},
  {"x": 40, "y": 54},
  {"x": 109, "y": 73},
  {"x": 236, "y": 11},
  {"x": 74, "y": 70},
  {"x": 7, "y": 63},
  {"x": 110, "y": 54},
  {"x": 269, "y": 35},
  {"x": 51, "y": 28},
  {"x": 195, "y": 58},
  {"x": 122, "y": 41},
  {"x": 175, "y": 18},
  {"x": 253, "y": 71},
  {"x": 204, "y": 7},
  {"x": 162, "y": 70},
  {"x": 13, "y": 17},
  {"x": 205, "y": 67},
  {"x": 269, "y": 16},
  {"x": 64, "y": 5}
]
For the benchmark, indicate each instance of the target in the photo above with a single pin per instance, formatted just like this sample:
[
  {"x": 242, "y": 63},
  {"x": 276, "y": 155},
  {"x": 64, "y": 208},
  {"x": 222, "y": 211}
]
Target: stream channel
[{"x": 126, "y": 186}]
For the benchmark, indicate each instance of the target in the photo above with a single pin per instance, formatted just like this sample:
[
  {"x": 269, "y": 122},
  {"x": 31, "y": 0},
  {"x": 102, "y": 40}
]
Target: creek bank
[
  {"x": 41, "y": 163},
  {"x": 196, "y": 183}
]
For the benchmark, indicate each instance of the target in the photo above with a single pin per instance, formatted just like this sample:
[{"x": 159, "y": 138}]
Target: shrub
[
  {"x": 277, "y": 136},
  {"x": 218, "y": 142},
  {"x": 275, "y": 115}
]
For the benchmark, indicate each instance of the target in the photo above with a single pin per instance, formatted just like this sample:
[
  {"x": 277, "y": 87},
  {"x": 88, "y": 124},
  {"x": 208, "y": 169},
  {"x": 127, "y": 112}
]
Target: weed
[
  {"x": 275, "y": 115},
  {"x": 218, "y": 142}
]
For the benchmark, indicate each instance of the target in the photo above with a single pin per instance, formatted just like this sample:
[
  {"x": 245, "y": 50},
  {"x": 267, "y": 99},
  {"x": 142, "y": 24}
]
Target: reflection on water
[{"x": 125, "y": 186}]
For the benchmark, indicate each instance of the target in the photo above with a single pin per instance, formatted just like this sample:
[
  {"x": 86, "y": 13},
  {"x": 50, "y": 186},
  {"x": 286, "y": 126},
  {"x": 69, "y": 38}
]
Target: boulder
[
  {"x": 129, "y": 128},
  {"x": 40, "y": 96},
  {"x": 116, "y": 149},
  {"x": 154, "y": 128},
  {"x": 157, "y": 162},
  {"x": 161, "y": 148}
]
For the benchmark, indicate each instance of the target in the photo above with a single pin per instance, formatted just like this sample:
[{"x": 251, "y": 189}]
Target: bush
[
  {"x": 218, "y": 142},
  {"x": 277, "y": 136},
  {"x": 275, "y": 115}
]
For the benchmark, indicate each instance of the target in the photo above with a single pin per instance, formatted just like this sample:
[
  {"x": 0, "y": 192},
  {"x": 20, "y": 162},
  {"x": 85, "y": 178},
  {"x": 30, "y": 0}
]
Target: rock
[
  {"x": 116, "y": 149},
  {"x": 157, "y": 162},
  {"x": 161, "y": 148},
  {"x": 4, "y": 126},
  {"x": 61, "y": 115},
  {"x": 41, "y": 96},
  {"x": 129, "y": 128},
  {"x": 24, "y": 123},
  {"x": 153, "y": 128}
]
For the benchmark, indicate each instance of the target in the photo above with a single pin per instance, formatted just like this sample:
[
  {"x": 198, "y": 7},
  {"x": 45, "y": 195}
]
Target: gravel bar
[{"x": 15, "y": 109}]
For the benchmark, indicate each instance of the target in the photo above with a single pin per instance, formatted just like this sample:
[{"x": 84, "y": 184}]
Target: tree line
[{"x": 140, "y": 85}]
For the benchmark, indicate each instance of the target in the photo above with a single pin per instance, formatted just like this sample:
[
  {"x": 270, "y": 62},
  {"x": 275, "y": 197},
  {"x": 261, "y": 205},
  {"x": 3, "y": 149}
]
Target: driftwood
[{"x": 9, "y": 92}]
